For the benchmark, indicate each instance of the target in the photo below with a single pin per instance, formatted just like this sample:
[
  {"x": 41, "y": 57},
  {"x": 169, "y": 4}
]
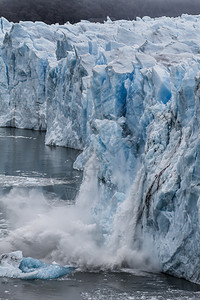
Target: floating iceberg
[
  {"x": 14, "y": 265},
  {"x": 127, "y": 92}
]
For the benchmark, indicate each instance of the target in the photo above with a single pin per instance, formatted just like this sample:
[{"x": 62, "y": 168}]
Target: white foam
[
  {"x": 22, "y": 181},
  {"x": 17, "y": 137}
]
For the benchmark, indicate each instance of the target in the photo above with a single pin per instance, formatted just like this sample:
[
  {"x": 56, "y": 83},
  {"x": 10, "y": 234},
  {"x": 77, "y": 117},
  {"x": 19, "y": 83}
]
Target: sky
[{"x": 61, "y": 11}]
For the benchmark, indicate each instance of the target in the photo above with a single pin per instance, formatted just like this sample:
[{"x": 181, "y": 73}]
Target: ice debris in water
[{"x": 14, "y": 265}]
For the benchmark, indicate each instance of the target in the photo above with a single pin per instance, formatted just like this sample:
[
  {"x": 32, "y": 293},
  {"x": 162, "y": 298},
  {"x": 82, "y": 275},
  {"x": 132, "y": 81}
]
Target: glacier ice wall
[{"x": 128, "y": 92}]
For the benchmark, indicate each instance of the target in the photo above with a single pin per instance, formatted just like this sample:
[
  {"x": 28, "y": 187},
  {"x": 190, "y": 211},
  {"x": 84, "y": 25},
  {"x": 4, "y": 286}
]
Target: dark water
[
  {"x": 24, "y": 157},
  {"x": 101, "y": 286},
  {"x": 25, "y": 162}
]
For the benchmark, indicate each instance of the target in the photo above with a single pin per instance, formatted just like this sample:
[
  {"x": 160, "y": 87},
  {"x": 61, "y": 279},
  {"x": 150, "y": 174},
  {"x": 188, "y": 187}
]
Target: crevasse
[{"x": 128, "y": 93}]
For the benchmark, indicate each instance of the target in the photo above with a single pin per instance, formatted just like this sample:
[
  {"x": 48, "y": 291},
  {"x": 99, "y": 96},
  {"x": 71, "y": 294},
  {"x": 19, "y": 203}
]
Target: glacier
[{"x": 127, "y": 94}]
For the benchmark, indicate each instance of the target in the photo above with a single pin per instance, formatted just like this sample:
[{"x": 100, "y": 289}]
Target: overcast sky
[{"x": 61, "y": 11}]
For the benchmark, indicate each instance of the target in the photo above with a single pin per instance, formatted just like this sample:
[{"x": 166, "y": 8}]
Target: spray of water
[{"x": 71, "y": 234}]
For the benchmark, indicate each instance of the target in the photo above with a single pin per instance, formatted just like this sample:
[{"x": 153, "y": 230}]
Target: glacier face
[{"x": 128, "y": 92}]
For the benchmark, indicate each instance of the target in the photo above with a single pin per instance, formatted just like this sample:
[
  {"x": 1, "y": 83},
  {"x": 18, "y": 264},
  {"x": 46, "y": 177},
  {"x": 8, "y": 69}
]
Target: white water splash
[{"x": 72, "y": 234}]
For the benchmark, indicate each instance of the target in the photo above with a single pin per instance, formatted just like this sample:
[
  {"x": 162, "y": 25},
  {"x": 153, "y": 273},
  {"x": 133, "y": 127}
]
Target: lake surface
[
  {"x": 26, "y": 164},
  {"x": 101, "y": 286}
]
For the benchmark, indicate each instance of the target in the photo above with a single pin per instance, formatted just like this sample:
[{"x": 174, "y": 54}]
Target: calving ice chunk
[
  {"x": 14, "y": 265},
  {"x": 126, "y": 93}
]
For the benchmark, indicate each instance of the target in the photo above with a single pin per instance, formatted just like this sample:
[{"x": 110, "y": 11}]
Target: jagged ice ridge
[{"x": 127, "y": 92}]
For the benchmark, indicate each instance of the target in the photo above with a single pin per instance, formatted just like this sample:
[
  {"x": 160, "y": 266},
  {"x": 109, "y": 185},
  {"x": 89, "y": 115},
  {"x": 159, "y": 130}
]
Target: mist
[
  {"x": 71, "y": 234},
  {"x": 61, "y": 11}
]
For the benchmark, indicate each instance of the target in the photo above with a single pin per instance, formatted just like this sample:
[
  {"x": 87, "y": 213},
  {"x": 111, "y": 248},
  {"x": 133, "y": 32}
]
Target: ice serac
[{"x": 128, "y": 92}]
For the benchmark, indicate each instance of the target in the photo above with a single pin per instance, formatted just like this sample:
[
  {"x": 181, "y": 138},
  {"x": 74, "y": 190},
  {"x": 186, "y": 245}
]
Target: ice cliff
[{"x": 128, "y": 92}]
